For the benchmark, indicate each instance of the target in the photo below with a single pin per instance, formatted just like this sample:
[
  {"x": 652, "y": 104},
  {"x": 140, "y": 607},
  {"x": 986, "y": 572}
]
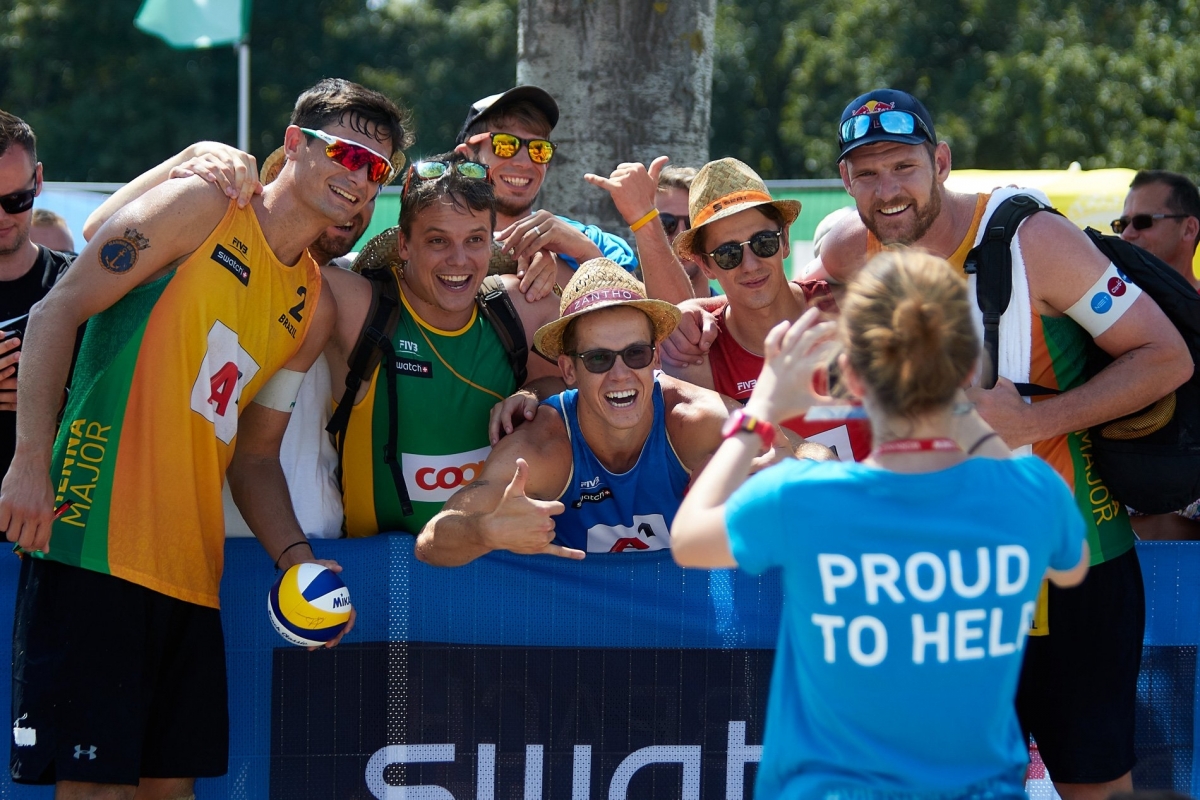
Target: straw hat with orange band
[{"x": 724, "y": 188}]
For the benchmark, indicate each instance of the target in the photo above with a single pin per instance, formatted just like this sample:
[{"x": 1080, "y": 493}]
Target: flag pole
[{"x": 243, "y": 134}]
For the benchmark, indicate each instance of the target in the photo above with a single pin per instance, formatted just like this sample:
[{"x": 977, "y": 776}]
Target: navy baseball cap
[
  {"x": 495, "y": 103},
  {"x": 867, "y": 120}
]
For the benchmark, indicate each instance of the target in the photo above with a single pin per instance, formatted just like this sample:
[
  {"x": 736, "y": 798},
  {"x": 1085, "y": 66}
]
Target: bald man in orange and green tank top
[{"x": 205, "y": 313}]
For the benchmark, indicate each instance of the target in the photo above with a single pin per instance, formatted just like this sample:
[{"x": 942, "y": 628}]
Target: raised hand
[{"x": 522, "y": 524}]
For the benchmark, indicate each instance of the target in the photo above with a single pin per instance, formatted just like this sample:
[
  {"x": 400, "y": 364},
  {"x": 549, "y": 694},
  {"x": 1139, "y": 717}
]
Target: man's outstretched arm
[{"x": 499, "y": 510}]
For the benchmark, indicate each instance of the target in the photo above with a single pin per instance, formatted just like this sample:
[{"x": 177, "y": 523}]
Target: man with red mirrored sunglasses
[
  {"x": 27, "y": 270},
  {"x": 510, "y": 133},
  {"x": 1079, "y": 679},
  {"x": 205, "y": 315}
]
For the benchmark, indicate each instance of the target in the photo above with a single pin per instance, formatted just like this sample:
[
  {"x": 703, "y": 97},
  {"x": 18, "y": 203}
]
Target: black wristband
[
  {"x": 980, "y": 442},
  {"x": 305, "y": 541}
]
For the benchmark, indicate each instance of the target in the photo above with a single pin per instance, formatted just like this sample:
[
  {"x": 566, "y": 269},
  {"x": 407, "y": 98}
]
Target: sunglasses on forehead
[
  {"x": 763, "y": 244},
  {"x": 673, "y": 224},
  {"x": 20, "y": 202},
  {"x": 354, "y": 156},
  {"x": 636, "y": 356},
  {"x": 432, "y": 170},
  {"x": 505, "y": 145},
  {"x": 1141, "y": 222},
  {"x": 899, "y": 122}
]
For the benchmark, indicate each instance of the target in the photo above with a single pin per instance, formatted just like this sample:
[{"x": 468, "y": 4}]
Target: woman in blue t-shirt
[{"x": 910, "y": 578}]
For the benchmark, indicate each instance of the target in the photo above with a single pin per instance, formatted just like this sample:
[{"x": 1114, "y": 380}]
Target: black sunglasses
[
  {"x": 20, "y": 202},
  {"x": 1141, "y": 222},
  {"x": 673, "y": 224},
  {"x": 636, "y": 356},
  {"x": 763, "y": 244}
]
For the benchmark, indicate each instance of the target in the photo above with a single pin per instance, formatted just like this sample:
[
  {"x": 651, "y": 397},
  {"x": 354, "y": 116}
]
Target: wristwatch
[{"x": 741, "y": 421}]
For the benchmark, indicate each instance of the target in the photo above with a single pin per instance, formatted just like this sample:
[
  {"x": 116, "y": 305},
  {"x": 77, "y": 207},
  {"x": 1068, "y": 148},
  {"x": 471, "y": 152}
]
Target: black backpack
[
  {"x": 1150, "y": 459},
  {"x": 375, "y": 342}
]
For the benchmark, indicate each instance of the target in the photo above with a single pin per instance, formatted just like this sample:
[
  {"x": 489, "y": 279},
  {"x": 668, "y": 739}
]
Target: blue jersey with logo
[
  {"x": 627, "y": 513},
  {"x": 907, "y": 602}
]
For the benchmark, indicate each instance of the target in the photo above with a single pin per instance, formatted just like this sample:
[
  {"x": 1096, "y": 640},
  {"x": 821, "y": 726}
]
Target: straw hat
[
  {"x": 274, "y": 164},
  {"x": 722, "y": 189},
  {"x": 597, "y": 284}
]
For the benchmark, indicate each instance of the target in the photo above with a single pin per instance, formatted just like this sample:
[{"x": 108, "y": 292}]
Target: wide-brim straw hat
[
  {"x": 724, "y": 188},
  {"x": 601, "y": 283},
  {"x": 271, "y": 168}
]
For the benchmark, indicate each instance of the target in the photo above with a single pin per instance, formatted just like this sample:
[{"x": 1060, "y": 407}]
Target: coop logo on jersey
[
  {"x": 648, "y": 532},
  {"x": 224, "y": 373},
  {"x": 432, "y": 479}
]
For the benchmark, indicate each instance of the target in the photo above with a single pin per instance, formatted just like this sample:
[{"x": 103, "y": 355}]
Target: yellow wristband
[{"x": 641, "y": 223}]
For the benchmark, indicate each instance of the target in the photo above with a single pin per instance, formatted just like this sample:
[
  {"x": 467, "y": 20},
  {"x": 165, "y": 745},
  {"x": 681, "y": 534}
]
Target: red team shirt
[{"x": 735, "y": 371}]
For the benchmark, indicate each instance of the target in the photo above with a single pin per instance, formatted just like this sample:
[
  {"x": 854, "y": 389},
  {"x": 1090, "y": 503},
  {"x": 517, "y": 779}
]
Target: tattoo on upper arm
[
  {"x": 476, "y": 484},
  {"x": 120, "y": 253}
]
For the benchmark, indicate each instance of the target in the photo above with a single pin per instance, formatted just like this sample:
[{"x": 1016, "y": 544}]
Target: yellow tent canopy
[{"x": 1093, "y": 197}]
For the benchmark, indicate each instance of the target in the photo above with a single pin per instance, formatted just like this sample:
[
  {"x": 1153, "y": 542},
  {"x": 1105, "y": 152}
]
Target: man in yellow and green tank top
[
  {"x": 204, "y": 316},
  {"x": 1078, "y": 684},
  {"x": 449, "y": 368}
]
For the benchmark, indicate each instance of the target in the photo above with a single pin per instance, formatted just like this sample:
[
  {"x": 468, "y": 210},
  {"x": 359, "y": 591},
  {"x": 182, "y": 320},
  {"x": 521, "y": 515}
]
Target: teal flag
[{"x": 194, "y": 23}]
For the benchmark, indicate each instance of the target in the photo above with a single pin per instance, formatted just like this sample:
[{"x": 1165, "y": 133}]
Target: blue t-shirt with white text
[{"x": 908, "y": 599}]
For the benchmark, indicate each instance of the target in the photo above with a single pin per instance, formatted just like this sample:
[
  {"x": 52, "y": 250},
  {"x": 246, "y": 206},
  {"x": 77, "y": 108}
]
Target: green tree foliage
[
  {"x": 108, "y": 101},
  {"x": 1010, "y": 83}
]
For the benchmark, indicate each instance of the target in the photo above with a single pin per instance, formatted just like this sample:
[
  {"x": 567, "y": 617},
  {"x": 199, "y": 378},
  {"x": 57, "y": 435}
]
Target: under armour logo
[{"x": 90, "y": 752}]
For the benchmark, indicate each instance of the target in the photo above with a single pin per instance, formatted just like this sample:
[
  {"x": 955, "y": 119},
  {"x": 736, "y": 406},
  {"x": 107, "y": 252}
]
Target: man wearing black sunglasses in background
[
  {"x": 510, "y": 133},
  {"x": 27, "y": 270},
  {"x": 1162, "y": 215},
  {"x": 603, "y": 466},
  {"x": 1078, "y": 685}
]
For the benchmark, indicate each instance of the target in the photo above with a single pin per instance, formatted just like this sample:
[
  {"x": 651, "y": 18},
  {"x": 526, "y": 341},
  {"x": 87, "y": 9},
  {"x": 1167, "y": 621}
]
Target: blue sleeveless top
[{"x": 626, "y": 513}]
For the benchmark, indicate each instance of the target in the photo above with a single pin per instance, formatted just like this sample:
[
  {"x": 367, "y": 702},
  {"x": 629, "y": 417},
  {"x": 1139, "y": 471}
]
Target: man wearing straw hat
[
  {"x": 739, "y": 237},
  {"x": 603, "y": 466}
]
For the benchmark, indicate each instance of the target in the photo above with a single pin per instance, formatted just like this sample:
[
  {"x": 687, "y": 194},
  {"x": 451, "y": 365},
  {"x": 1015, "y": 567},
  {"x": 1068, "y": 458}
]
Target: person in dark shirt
[{"x": 27, "y": 270}]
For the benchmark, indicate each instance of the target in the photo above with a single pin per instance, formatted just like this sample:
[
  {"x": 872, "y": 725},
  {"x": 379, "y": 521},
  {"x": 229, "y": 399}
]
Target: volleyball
[{"x": 309, "y": 605}]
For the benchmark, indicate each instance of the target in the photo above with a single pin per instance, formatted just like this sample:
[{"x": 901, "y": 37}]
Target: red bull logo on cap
[{"x": 872, "y": 106}]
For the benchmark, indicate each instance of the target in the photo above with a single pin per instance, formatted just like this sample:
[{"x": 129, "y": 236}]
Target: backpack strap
[
  {"x": 991, "y": 263},
  {"x": 382, "y": 318},
  {"x": 497, "y": 308}
]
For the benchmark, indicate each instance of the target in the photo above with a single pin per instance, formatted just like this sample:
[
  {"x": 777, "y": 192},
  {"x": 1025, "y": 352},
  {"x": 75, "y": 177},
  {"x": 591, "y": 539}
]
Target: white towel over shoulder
[{"x": 1016, "y": 335}]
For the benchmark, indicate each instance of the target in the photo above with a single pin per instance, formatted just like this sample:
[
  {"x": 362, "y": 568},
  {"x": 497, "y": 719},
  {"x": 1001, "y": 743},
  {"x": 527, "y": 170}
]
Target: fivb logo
[
  {"x": 738, "y": 755},
  {"x": 224, "y": 373},
  {"x": 432, "y": 479}
]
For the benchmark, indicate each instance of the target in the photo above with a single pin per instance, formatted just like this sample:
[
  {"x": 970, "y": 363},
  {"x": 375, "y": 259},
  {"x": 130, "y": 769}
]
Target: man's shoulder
[
  {"x": 844, "y": 248},
  {"x": 690, "y": 402}
]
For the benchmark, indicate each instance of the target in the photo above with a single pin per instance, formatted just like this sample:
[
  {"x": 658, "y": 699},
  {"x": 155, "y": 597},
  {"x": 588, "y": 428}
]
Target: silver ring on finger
[{"x": 536, "y": 232}]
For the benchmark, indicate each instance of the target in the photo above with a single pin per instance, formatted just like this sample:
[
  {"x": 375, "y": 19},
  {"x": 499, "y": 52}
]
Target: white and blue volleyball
[{"x": 309, "y": 605}]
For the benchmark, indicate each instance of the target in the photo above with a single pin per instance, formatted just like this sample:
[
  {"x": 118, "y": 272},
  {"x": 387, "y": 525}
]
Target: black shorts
[
  {"x": 113, "y": 682},
  {"x": 1079, "y": 684}
]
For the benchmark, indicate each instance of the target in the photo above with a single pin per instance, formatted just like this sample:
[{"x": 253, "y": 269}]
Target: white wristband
[
  {"x": 1105, "y": 302},
  {"x": 280, "y": 391}
]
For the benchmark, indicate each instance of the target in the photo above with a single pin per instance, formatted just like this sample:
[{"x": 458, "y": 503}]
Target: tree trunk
[{"x": 633, "y": 80}]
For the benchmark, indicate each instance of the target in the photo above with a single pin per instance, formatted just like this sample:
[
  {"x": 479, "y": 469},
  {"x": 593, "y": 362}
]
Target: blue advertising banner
[{"x": 535, "y": 677}]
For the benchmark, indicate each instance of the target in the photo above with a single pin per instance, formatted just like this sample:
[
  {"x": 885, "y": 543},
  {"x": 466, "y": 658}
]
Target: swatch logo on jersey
[{"x": 433, "y": 479}]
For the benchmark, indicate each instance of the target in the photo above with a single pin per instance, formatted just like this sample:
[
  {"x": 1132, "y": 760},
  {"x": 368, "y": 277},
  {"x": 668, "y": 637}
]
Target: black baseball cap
[
  {"x": 540, "y": 98},
  {"x": 876, "y": 102}
]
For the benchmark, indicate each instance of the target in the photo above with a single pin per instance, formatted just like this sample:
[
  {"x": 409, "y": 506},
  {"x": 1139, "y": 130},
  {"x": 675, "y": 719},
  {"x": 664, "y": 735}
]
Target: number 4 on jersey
[{"x": 224, "y": 373}]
